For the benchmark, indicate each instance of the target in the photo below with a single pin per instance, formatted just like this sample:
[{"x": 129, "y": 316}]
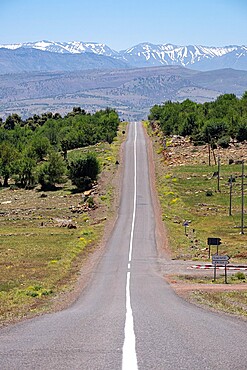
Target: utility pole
[
  {"x": 242, "y": 202},
  {"x": 209, "y": 155},
  {"x": 218, "y": 182},
  {"x": 230, "y": 204}
]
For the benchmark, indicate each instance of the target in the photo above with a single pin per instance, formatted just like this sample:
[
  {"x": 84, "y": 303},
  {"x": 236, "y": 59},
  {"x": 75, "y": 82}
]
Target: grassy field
[
  {"x": 184, "y": 195},
  {"x": 233, "y": 302},
  {"x": 188, "y": 191},
  {"x": 39, "y": 258}
]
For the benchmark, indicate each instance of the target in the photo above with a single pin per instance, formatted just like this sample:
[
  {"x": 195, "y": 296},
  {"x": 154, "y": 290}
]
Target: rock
[
  {"x": 87, "y": 193},
  {"x": 72, "y": 226},
  {"x": 66, "y": 223}
]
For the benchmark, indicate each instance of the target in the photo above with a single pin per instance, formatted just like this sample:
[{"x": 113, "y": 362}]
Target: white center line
[{"x": 129, "y": 361}]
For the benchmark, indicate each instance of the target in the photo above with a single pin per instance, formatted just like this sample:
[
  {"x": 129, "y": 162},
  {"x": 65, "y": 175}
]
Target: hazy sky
[{"x": 124, "y": 23}]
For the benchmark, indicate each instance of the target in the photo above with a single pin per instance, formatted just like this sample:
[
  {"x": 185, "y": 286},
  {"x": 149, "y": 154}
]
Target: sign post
[
  {"x": 220, "y": 260},
  {"x": 185, "y": 224},
  {"x": 213, "y": 241}
]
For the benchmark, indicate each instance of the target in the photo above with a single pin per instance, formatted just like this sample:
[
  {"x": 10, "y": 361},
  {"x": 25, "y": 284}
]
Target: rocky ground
[{"x": 180, "y": 151}]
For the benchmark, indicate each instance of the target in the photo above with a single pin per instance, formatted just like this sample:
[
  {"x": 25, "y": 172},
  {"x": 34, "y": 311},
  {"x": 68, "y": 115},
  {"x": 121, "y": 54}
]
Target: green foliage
[
  {"x": 226, "y": 117},
  {"x": 25, "y": 171},
  {"x": 90, "y": 202},
  {"x": 241, "y": 134},
  {"x": 239, "y": 275},
  {"x": 39, "y": 147},
  {"x": 224, "y": 141},
  {"x": 25, "y": 144},
  {"x": 84, "y": 170},
  {"x": 8, "y": 157},
  {"x": 52, "y": 172}
]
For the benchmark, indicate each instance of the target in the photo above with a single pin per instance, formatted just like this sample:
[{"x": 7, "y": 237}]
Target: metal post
[
  {"x": 217, "y": 248},
  {"x": 230, "y": 205},
  {"x": 242, "y": 207},
  {"x": 225, "y": 275},
  {"x": 214, "y": 271},
  {"x": 218, "y": 183},
  {"x": 209, "y": 154}
]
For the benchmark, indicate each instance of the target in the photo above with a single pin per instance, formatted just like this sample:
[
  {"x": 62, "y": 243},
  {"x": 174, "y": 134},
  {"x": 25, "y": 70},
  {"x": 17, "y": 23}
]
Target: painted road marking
[{"x": 129, "y": 360}]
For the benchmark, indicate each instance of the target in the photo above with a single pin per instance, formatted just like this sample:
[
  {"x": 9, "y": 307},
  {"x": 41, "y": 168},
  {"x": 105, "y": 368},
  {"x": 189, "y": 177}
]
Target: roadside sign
[
  {"x": 220, "y": 259},
  {"x": 185, "y": 224},
  {"x": 214, "y": 241}
]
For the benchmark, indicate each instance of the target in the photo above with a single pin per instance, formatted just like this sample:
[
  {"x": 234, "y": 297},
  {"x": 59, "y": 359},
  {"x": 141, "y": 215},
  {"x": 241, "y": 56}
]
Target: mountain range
[
  {"x": 131, "y": 91},
  {"x": 38, "y": 77},
  {"x": 75, "y": 55}
]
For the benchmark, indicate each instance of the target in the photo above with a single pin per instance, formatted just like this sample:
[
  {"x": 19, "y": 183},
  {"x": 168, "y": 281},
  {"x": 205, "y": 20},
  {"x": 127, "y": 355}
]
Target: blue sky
[{"x": 124, "y": 23}]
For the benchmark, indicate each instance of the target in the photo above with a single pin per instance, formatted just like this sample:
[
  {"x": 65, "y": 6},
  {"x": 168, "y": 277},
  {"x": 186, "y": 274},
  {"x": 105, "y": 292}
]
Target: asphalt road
[{"x": 128, "y": 317}]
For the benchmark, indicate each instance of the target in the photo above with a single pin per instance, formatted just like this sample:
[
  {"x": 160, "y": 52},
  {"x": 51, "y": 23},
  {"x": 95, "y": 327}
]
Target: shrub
[
  {"x": 224, "y": 142},
  {"x": 242, "y": 132},
  {"x": 83, "y": 171},
  {"x": 240, "y": 275},
  {"x": 52, "y": 172}
]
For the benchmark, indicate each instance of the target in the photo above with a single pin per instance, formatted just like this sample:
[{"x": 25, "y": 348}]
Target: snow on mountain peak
[{"x": 143, "y": 54}]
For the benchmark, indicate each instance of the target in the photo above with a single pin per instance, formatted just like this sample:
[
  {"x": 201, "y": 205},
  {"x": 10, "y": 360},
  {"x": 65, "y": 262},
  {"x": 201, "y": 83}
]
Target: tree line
[
  {"x": 35, "y": 150},
  {"x": 215, "y": 122}
]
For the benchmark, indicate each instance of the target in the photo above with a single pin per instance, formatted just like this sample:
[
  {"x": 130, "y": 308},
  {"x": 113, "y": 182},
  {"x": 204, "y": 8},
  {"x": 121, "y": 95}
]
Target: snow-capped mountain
[
  {"x": 147, "y": 54},
  {"x": 169, "y": 54},
  {"x": 73, "y": 47}
]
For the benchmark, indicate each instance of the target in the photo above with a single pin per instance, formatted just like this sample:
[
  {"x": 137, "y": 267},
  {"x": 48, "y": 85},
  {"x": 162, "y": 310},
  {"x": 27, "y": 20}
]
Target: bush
[
  {"x": 52, "y": 172},
  {"x": 240, "y": 275},
  {"x": 224, "y": 142},
  {"x": 83, "y": 171},
  {"x": 242, "y": 132}
]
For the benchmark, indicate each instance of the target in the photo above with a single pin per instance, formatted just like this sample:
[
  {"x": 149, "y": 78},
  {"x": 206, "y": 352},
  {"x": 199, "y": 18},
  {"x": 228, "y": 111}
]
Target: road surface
[{"x": 128, "y": 317}]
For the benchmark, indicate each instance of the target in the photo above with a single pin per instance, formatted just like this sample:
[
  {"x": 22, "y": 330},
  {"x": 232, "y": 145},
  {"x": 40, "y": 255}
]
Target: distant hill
[
  {"x": 197, "y": 57},
  {"x": 131, "y": 91},
  {"x": 33, "y": 60}
]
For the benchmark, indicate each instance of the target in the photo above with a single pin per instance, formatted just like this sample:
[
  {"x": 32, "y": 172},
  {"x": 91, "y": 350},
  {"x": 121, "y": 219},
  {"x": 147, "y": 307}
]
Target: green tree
[
  {"x": 52, "y": 172},
  {"x": 25, "y": 171},
  {"x": 8, "y": 157},
  {"x": 242, "y": 132},
  {"x": 11, "y": 121},
  {"x": 39, "y": 147},
  {"x": 83, "y": 171}
]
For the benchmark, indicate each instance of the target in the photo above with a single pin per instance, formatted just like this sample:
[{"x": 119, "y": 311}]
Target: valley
[{"x": 131, "y": 91}]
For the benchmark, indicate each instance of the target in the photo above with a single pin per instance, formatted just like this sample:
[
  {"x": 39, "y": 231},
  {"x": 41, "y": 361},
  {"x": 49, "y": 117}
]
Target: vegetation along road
[{"x": 128, "y": 317}]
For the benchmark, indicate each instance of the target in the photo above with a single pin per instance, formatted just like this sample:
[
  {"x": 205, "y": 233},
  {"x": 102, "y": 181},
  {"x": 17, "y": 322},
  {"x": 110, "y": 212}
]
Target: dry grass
[
  {"x": 183, "y": 178},
  {"x": 39, "y": 259},
  {"x": 234, "y": 302}
]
